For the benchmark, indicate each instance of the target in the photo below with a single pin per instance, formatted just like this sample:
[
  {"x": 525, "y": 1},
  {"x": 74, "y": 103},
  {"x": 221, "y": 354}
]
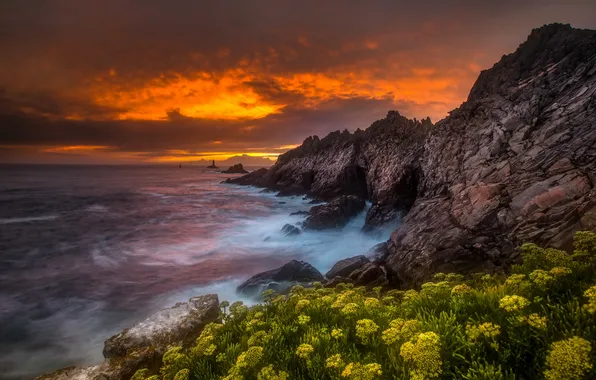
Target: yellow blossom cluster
[
  {"x": 460, "y": 290},
  {"x": 486, "y": 329},
  {"x": 350, "y": 308},
  {"x": 365, "y": 328},
  {"x": 343, "y": 299},
  {"x": 515, "y": 279},
  {"x": 357, "y": 371},
  {"x": 183, "y": 374},
  {"x": 371, "y": 303},
  {"x": 304, "y": 350},
  {"x": 513, "y": 303},
  {"x": 337, "y": 333},
  {"x": 400, "y": 330},
  {"x": 302, "y": 304},
  {"x": 334, "y": 361},
  {"x": 303, "y": 319},
  {"x": 591, "y": 295},
  {"x": 269, "y": 373},
  {"x": 560, "y": 271},
  {"x": 541, "y": 277},
  {"x": 424, "y": 356},
  {"x": 533, "y": 320},
  {"x": 568, "y": 359}
]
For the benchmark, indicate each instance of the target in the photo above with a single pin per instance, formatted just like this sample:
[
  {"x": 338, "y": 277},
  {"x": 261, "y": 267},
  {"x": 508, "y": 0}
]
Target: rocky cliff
[{"x": 515, "y": 163}]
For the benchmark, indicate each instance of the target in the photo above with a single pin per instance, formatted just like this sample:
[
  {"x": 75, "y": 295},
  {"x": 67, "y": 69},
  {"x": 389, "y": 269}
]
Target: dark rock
[
  {"x": 292, "y": 272},
  {"x": 370, "y": 274},
  {"x": 345, "y": 267},
  {"x": 332, "y": 283},
  {"x": 143, "y": 345},
  {"x": 255, "y": 178},
  {"x": 379, "y": 252},
  {"x": 299, "y": 213},
  {"x": 236, "y": 169},
  {"x": 334, "y": 214},
  {"x": 290, "y": 230}
]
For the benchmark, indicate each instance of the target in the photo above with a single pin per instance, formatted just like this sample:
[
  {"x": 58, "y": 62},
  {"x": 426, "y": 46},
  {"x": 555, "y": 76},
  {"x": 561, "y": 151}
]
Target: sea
[{"x": 86, "y": 251}]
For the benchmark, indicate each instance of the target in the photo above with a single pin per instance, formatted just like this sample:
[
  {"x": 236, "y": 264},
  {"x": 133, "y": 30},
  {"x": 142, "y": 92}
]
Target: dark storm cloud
[{"x": 56, "y": 53}]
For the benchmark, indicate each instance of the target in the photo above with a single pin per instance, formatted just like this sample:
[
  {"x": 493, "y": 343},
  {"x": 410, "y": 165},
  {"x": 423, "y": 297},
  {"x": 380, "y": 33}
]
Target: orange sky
[{"x": 97, "y": 82}]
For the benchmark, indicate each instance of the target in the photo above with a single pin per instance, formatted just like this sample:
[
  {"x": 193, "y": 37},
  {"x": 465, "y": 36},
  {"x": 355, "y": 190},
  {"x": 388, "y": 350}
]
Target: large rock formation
[
  {"x": 236, "y": 169},
  {"x": 334, "y": 214},
  {"x": 516, "y": 162},
  {"x": 143, "y": 345}
]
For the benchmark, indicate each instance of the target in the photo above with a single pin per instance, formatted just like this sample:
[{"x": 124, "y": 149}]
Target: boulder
[
  {"x": 235, "y": 169},
  {"x": 143, "y": 345},
  {"x": 345, "y": 267},
  {"x": 334, "y": 214},
  {"x": 290, "y": 230},
  {"x": 278, "y": 279}
]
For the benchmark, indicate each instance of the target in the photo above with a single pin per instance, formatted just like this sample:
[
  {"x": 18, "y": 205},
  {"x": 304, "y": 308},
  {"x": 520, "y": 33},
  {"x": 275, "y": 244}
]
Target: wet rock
[
  {"x": 345, "y": 267},
  {"x": 290, "y": 230},
  {"x": 292, "y": 272},
  {"x": 299, "y": 213},
  {"x": 143, "y": 345},
  {"x": 378, "y": 253},
  {"x": 334, "y": 214},
  {"x": 255, "y": 178},
  {"x": 236, "y": 169}
]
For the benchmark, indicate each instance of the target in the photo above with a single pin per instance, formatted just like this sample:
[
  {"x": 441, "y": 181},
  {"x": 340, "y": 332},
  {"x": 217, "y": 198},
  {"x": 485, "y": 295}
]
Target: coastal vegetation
[{"x": 538, "y": 321}]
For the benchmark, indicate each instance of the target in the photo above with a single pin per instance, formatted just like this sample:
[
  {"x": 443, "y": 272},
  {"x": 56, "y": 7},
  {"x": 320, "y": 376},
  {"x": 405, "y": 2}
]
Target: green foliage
[{"x": 537, "y": 323}]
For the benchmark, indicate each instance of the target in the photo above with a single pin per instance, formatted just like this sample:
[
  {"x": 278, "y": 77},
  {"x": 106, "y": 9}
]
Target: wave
[{"x": 27, "y": 219}]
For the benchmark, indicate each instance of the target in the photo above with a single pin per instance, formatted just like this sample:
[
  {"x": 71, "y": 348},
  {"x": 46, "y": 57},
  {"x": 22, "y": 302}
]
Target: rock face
[
  {"x": 236, "y": 169},
  {"x": 143, "y": 345},
  {"x": 290, "y": 230},
  {"x": 515, "y": 163},
  {"x": 334, "y": 214},
  {"x": 280, "y": 278},
  {"x": 379, "y": 164},
  {"x": 345, "y": 267}
]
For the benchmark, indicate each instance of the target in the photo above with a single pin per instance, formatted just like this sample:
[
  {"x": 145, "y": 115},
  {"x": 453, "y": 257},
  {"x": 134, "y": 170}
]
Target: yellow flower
[
  {"x": 365, "y": 328},
  {"x": 350, "y": 308},
  {"x": 327, "y": 299},
  {"x": 560, "y": 271},
  {"x": 534, "y": 320},
  {"x": 424, "y": 356},
  {"x": 371, "y": 303},
  {"x": 258, "y": 339},
  {"x": 344, "y": 298},
  {"x": 400, "y": 330},
  {"x": 249, "y": 357},
  {"x": 335, "y": 361},
  {"x": 540, "y": 277},
  {"x": 303, "y": 319},
  {"x": 304, "y": 350},
  {"x": 568, "y": 359},
  {"x": 461, "y": 289},
  {"x": 513, "y": 303},
  {"x": 515, "y": 279},
  {"x": 183, "y": 374},
  {"x": 357, "y": 371},
  {"x": 388, "y": 299},
  {"x": 410, "y": 295},
  {"x": 302, "y": 304},
  {"x": 268, "y": 373},
  {"x": 337, "y": 333},
  {"x": 204, "y": 345},
  {"x": 486, "y": 329},
  {"x": 591, "y": 295}
]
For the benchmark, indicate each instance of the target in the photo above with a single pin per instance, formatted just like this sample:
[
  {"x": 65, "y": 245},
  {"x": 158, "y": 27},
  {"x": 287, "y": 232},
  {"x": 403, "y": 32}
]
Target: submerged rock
[
  {"x": 290, "y": 230},
  {"x": 236, "y": 169},
  {"x": 143, "y": 345},
  {"x": 334, "y": 214},
  {"x": 281, "y": 278}
]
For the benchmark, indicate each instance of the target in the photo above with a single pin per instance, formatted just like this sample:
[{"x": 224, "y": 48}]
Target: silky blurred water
[{"x": 86, "y": 251}]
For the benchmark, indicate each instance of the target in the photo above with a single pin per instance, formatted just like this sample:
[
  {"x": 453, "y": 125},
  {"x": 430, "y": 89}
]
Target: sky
[{"x": 139, "y": 81}]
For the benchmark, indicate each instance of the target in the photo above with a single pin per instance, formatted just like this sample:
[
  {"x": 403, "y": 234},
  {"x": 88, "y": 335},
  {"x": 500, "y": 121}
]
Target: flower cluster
[
  {"x": 350, "y": 308},
  {"x": 250, "y": 357},
  {"x": 334, "y": 361},
  {"x": 304, "y": 350},
  {"x": 460, "y": 290},
  {"x": 424, "y": 356},
  {"x": 560, "y": 271},
  {"x": 487, "y": 329},
  {"x": 337, "y": 333},
  {"x": 343, "y": 299},
  {"x": 357, "y": 371},
  {"x": 515, "y": 279},
  {"x": 371, "y": 303},
  {"x": 513, "y": 303},
  {"x": 541, "y": 278},
  {"x": 303, "y": 319},
  {"x": 591, "y": 295},
  {"x": 534, "y": 320},
  {"x": 365, "y": 328},
  {"x": 183, "y": 374},
  {"x": 302, "y": 304},
  {"x": 568, "y": 359},
  {"x": 269, "y": 373},
  {"x": 400, "y": 330}
]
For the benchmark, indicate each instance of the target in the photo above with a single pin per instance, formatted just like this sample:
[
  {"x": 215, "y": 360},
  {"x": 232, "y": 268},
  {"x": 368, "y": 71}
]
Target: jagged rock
[
  {"x": 332, "y": 283},
  {"x": 334, "y": 214},
  {"x": 299, "y": 213},
  {"x": 345, "y": 267},
  {"x": 515, "y": 163},
  {"x": 278, "y": 279},
  {"x": 236, "y": 169},
  {"x": 252, "y": 178},
  {"x": 290, "y": 230},
  {"x": 143, "y": 345},
  {"x": 378, "y": 253},
  {"x": 370, "y": 274}
]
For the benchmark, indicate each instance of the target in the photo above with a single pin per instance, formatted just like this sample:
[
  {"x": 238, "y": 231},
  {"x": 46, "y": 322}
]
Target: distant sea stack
[
  {"x": 236, "y": 169},
  {"x": 514, "y": 163},
  {"x": 212, "y": 166}
]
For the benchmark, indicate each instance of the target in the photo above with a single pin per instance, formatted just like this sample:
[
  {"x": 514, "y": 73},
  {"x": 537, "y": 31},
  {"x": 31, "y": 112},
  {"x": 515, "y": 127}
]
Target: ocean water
[{"x": 86, "y": 251}]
